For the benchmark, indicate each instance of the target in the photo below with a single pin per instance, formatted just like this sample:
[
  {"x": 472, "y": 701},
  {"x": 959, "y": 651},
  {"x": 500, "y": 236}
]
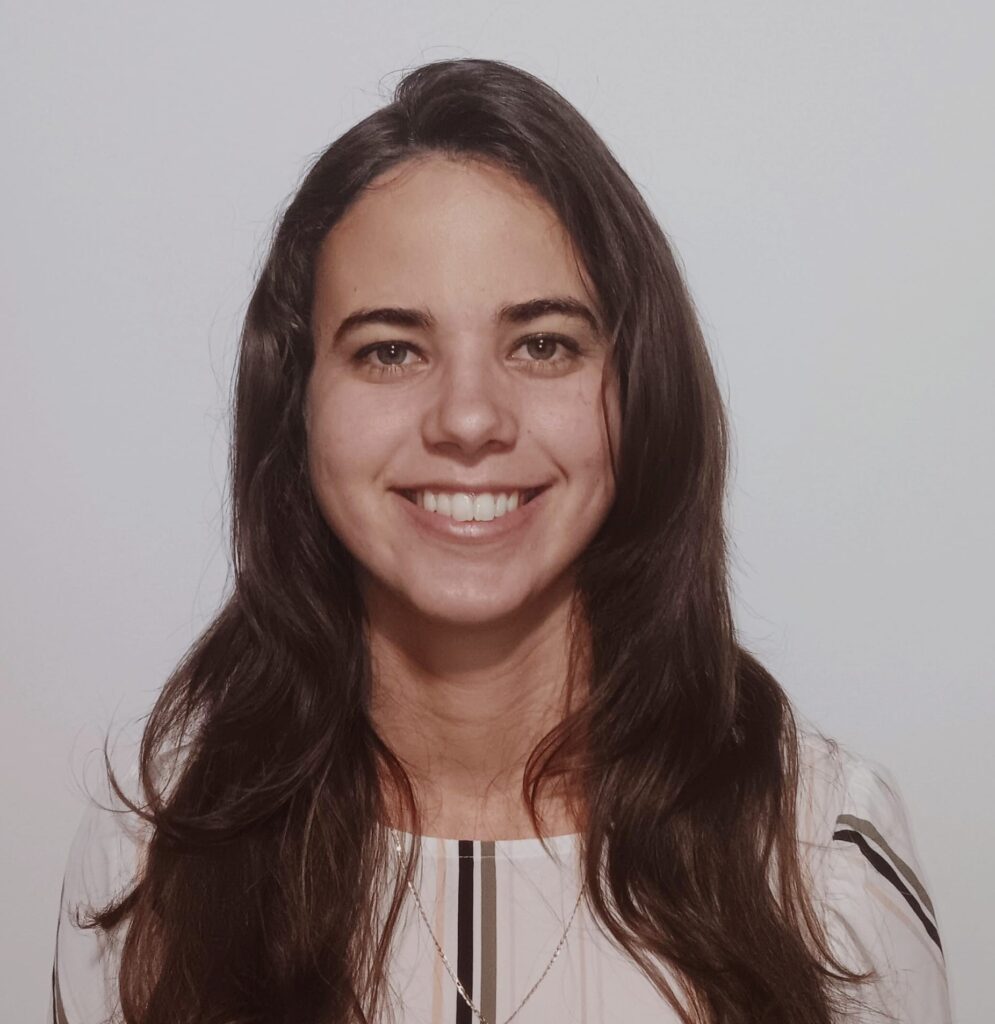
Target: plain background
[{"x": 825, "y": 172}]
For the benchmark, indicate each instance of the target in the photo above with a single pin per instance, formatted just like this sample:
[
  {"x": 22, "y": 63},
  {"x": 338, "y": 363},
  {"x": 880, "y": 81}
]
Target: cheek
[
  {"x": 575, "y": 430},
  {"x": 325, "y": 447},
  {"x": 350, "y": 441},
  {"x": 331, "y": 449}
]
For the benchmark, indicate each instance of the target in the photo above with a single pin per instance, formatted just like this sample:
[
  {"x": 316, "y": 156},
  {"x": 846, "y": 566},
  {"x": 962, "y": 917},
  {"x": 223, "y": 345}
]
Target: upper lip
[{"x": 466, "y": 488}]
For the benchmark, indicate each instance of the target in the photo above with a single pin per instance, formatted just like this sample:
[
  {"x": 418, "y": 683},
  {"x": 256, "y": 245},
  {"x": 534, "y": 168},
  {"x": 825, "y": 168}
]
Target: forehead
[{"x": 449, "y": 234}]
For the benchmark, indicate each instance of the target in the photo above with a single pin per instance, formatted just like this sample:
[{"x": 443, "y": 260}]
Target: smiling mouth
[
  {"x": 527, "y": 496},
  {"x": 472, "y": 514}
]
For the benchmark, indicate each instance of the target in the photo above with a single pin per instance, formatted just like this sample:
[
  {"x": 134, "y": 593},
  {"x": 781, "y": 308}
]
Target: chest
[{"x": 511, "y": 929}]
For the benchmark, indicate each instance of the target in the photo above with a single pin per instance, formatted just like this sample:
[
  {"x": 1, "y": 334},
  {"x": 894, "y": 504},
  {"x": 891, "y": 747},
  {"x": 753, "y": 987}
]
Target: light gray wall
[{"x": 824, "y": 171}]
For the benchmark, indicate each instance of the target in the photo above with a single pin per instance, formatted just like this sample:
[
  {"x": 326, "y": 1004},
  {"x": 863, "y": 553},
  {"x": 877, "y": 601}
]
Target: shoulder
[
  {"x": 853, "y": 803},
  {"x": 867, "y": 877},
  {"x": 105, "y": 850},
  {"x": 110, "y": 838},
  {"x": 104, "y": 859},
  {"x": 840, "y": 787}
]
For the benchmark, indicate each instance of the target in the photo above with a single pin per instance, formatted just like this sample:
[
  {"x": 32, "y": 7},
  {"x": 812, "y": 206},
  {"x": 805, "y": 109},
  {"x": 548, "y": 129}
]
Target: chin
[
  {"x": 464, "y": 612},
  {"x": 459, "y": 607}
]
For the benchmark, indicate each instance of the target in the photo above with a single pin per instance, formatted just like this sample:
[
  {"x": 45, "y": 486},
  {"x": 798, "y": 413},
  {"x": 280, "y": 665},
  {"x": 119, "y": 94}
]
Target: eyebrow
[{"x": 514, "y": 313}]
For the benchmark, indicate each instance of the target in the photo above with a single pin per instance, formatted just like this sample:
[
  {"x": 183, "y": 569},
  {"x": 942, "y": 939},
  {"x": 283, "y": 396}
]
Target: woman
[{"x": 473, "y": 736}]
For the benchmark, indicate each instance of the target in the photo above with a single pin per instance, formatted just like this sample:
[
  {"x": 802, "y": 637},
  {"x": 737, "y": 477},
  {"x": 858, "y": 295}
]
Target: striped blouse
[{"x": 499, "y": 909}]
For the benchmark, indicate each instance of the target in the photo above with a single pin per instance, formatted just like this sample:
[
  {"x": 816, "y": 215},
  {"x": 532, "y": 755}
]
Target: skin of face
[
  {"x": 471, "y": 399},
  {"x": 459, "y": 241}
]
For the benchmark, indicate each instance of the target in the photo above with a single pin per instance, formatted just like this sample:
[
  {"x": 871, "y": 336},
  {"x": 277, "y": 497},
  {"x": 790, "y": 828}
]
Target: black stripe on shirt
[
  {"x": 887, "y": 871},
  {"x": 464, "y": 931}
]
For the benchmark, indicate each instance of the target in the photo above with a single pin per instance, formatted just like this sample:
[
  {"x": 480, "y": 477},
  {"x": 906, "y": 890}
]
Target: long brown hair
[{"x": 259, "y": 894}]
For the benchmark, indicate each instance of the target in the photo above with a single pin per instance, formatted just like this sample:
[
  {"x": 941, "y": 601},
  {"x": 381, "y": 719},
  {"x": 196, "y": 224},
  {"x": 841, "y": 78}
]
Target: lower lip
[{"x": 447, "y": 528}]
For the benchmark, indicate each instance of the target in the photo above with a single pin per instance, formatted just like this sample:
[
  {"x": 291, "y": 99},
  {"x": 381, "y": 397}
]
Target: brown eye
[
  {"x": 545, "y": 346},
  {"x": 393, "y": 349},
  {"x": 542, "y": 343},
  {"x": 391, "y": 363}
]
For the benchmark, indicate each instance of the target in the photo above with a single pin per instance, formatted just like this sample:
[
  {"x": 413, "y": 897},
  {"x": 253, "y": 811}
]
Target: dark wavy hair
[{"x": 256, "y": 899}]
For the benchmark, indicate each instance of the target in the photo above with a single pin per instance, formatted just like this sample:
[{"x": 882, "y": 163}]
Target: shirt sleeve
[
  {"x": 879, "y": 911},
  {"x": 100, "y": 867}
]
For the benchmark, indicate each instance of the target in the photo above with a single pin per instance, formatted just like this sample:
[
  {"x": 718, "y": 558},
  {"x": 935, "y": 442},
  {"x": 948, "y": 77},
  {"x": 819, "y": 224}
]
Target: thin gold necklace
[{"x": 452, "y": 973}]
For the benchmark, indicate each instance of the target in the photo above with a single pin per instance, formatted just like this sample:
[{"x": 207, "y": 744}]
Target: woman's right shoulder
[
  {"x": 110, "y": 838},
  {"x": 104, "y": 860},
  {"x": 105, "y": 852}
]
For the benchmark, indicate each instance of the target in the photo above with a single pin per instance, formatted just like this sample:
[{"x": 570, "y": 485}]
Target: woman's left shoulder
[
  {"x": 841, "y": 786},
  {"x": 868, "y": 878},
  {"x": 847, "y": 796}
]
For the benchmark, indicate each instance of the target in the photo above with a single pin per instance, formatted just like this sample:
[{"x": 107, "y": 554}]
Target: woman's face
[{"x": 433, "y": 373}]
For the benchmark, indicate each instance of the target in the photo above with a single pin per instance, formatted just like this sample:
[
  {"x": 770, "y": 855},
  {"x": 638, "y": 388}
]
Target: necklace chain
[{"x": 452, "y": 973}]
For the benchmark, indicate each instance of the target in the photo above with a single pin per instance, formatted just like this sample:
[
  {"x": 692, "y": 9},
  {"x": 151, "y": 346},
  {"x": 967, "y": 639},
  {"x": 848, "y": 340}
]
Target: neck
[{"x": 462, "y": 707}]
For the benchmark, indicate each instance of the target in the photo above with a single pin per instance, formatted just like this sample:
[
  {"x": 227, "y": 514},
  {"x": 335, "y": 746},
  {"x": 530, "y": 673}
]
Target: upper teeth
[{"x": 463, "y": 506}]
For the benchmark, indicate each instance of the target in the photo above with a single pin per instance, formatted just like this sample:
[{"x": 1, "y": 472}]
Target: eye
[
  {"x": 392, "y": 348},
  {"x": 547, "y": 344}
]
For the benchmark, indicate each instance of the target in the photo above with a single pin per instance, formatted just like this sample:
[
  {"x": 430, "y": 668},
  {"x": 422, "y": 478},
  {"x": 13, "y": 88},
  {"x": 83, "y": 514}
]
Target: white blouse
[{"x": 499, "y": 909}]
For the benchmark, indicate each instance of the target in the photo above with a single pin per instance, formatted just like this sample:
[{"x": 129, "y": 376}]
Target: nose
[{"x": 473, "y": 405}]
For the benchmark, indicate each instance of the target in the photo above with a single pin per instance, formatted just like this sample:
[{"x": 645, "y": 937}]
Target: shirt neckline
[{"x": 448, "y": 848}]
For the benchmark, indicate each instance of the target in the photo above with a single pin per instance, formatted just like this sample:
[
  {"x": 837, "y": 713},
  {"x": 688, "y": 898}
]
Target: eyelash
[{"x": 537, "y": 366}]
